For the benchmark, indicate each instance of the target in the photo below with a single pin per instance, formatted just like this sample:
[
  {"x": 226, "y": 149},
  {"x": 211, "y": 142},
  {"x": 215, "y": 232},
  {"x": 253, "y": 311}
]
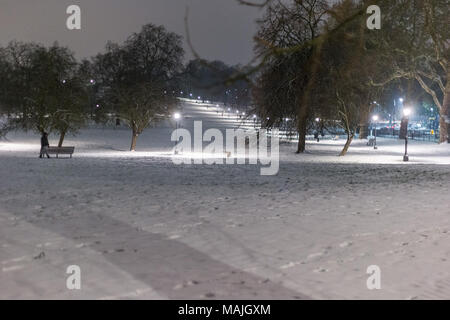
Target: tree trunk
[
  {"x": 347, "y": 144},
  {"x": 445, "y": 115},
  {"x": 301, "y": 129},
  {"x": 62, "y": 135},
  {"x": 133, "y": 141},
  {"x": 303, "y": 108},
  {"x": 364, "y": 123}
]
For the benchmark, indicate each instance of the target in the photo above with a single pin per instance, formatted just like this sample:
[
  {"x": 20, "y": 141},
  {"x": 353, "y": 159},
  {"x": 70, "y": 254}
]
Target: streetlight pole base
[{"x": 405, "y": 158}]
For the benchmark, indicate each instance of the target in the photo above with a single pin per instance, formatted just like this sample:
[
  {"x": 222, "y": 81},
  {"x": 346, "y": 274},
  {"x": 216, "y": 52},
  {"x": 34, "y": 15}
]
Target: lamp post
[
  {"x": 317, "y": 129},
  {"x": 177, "y": 117},
  {"x": 406, "y": 113},
  {"x": 375, "y": 119},
  {"x": 91, "y": 96}
]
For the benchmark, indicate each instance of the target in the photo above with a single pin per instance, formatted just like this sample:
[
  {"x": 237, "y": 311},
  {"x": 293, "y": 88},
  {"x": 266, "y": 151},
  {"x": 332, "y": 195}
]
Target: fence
[{"x": 420, "y": 135}]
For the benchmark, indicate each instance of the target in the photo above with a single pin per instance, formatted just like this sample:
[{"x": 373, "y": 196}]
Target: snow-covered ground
[{"x": 141, "y": 227}]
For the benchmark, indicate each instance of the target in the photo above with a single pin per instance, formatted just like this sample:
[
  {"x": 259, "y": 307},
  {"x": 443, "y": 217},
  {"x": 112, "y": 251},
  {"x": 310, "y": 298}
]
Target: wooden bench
[{"x": 61, "y": 150}]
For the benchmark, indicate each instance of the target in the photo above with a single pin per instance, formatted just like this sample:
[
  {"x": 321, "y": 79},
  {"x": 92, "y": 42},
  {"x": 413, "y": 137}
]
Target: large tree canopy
[
  {"x": 134, "y": 77},
  {"x": 40, "y": 88}
]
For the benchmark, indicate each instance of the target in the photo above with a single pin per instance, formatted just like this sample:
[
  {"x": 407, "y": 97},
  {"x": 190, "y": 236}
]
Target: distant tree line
[{"x": 212, "y": 80}]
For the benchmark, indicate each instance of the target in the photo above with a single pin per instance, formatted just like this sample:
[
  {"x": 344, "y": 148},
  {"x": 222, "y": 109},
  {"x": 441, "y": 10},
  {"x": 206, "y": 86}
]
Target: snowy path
[{"x": 141, "y": 227}]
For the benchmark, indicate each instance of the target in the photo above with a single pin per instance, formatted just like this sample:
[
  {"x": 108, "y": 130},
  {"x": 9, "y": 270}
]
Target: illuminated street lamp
[
  {"x": 177, "y": 117},
  {"x": 375, "y": 119},
  {"x": 406, "y": 112},
  {"x": 316, "y": 134},
  {"x": 404, "y": 131}
]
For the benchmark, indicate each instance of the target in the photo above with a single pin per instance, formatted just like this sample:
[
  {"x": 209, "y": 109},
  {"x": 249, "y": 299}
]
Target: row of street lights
[{"x": 403, "y": 131}]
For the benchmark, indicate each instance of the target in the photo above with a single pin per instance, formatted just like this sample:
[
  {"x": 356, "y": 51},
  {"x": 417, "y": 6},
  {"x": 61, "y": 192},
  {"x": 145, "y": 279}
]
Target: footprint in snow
[
  {"x": 40, "y": 256},
  {"x": 345, "y": 244}
]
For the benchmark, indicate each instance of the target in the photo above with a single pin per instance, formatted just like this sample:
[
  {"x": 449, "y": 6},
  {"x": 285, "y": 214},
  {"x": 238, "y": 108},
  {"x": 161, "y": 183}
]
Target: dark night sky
[{"x": 220, "y": 29}]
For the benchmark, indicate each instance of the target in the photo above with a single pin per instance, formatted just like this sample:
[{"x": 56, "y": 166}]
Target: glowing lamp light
[
  {"x": 177, "y": 116},
  {"x": 375, "y": 118},
  {"x": 317, "y": 119},
  {"x": 406, "y": 112}
]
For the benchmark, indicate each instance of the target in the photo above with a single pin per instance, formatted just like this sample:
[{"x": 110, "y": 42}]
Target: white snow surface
[{"x": 141, "y": 227}]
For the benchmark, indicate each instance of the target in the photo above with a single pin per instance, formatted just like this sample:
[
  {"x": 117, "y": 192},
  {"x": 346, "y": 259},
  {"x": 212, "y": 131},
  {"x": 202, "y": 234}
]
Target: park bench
[{"x": 60, "y": 150}]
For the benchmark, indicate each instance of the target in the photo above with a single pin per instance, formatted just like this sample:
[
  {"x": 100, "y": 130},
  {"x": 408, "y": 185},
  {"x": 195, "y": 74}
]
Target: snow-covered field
[{"x": 141, "y": 227}]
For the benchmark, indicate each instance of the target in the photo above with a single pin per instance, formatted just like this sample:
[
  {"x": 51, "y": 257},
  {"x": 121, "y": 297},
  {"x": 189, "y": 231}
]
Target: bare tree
[
  {"x": 134, "y": 77},
  {"x": 295, "y": 29}
]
